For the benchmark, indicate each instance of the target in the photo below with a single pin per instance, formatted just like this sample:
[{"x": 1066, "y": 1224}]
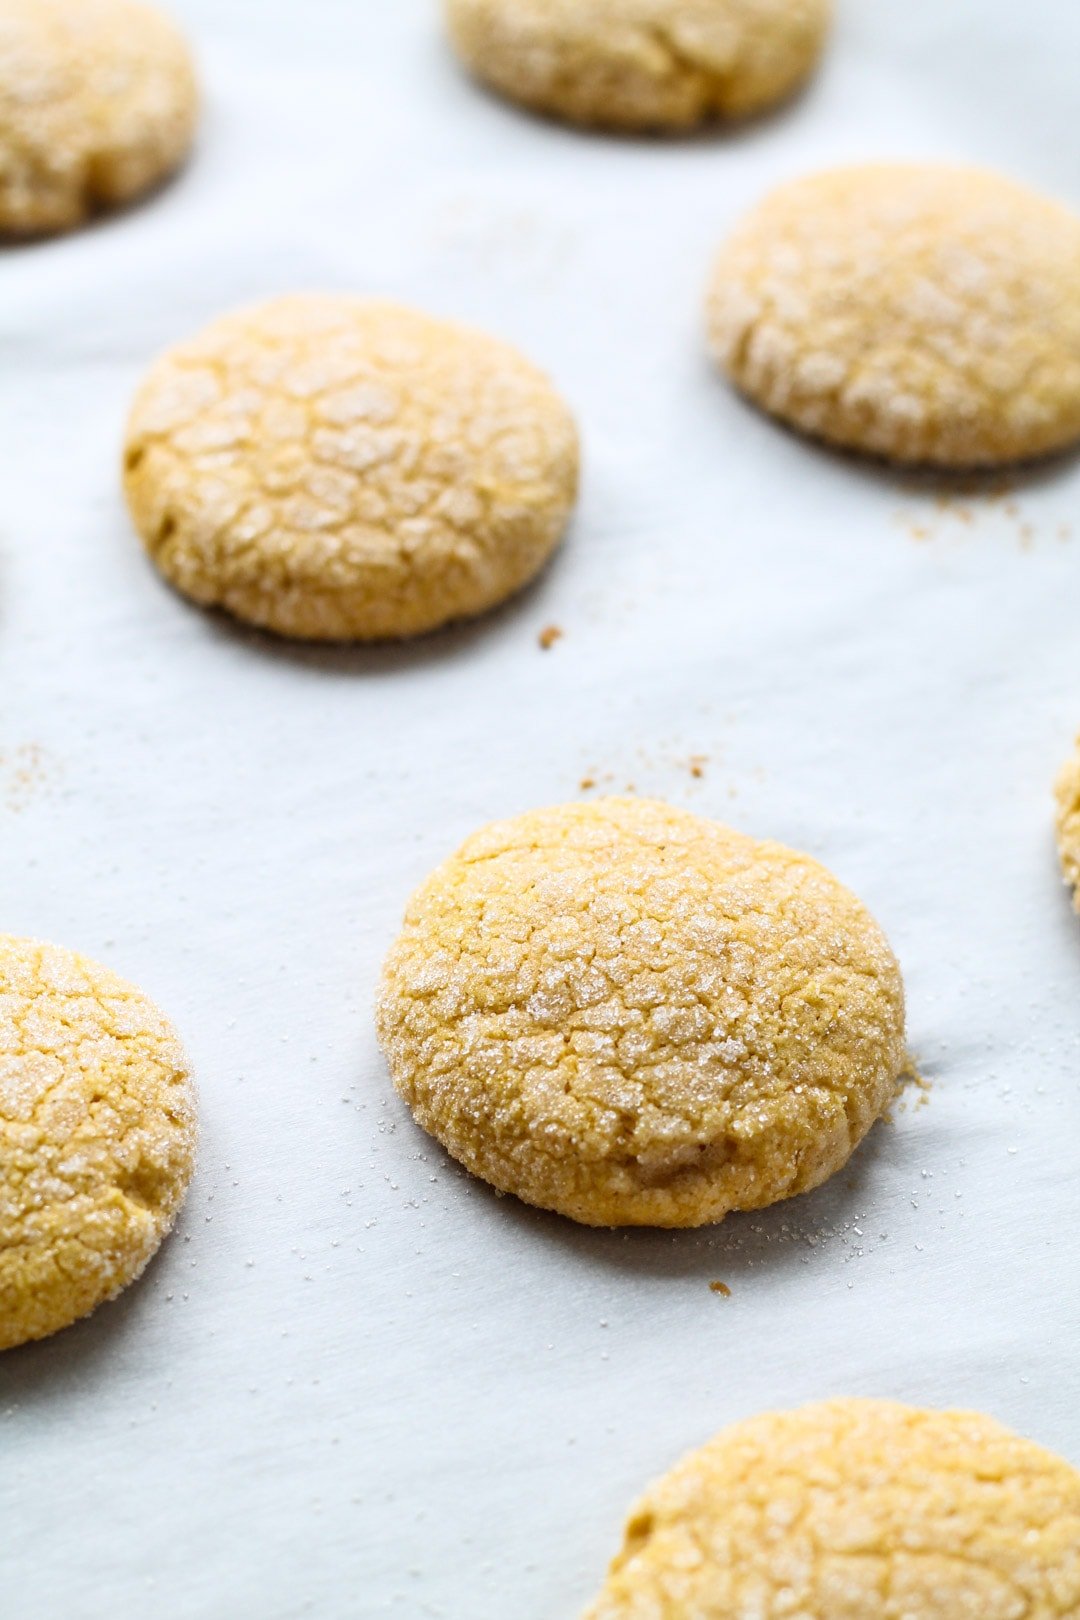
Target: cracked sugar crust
[
  {"x": 922, "y": 313},
  {"x": 1067, "y": 799},
  {"x": 97, "y": 1136},
  {"x": 633, "y": 1016},
  {"x": 854, "y": 1510},
  {"x": 98, "y": 102},
  {"x": 641, "y": 64},
  {"x": 342, "y": 469}
]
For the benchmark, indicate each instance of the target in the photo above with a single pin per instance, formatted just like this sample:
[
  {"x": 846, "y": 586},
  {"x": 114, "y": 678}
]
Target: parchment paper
[{"x": 355, "y": 1383}]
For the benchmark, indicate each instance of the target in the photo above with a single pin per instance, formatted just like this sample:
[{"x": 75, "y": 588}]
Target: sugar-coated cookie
[
  {"x": 1067, "y": 797},
  {"x": 98, "y": 102},
  {"x": 97, "y": 1136},
  {"x": 914, "y": 311},
  {"x": 854, "y": 1510},
  {"x": 640, "y": 64},
  {"x": 633, "y": 1016},
  {"x": 339, "y": 468}
]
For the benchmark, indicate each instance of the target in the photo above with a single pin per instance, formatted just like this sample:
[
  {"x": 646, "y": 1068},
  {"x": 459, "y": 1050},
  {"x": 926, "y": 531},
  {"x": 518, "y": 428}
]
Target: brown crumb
[
  {"x": 587, "y": 783},
  {"x": 721, "y": 1288},
  {"x": 24, "y": 773},
  {"x": 910, "y": 1078},
  {"x": 549, "y": 636},
  {"x": 698, "y": 763}
]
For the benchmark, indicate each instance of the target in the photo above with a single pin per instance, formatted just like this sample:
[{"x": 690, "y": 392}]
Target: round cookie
[
  {"x": 1067, "y": 797},
  {"x": 641, "y": 64},
  {"x": 855, "y": 1510},
  {"x": 636, "y": 1017},
  {"x": 97, "y": 1136},
  {"x": 98, "y": 102},
  {"x": 922, "y": 313},
  {"x": 343, "y": 469}
]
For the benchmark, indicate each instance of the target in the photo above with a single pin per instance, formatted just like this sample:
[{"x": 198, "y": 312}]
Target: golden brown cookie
[
  {"x": 633, "y": 1016},
  {"x": 98, "y": 102},
  {"x": 97, "y": 1136},
  {"x": 338, "y": 468},
  {"x": 1067, "y": 797},
  {"x": 854, "y": 1510},
  {"x": 641, "y": 64},
  {"x": 919, "y": 312}
]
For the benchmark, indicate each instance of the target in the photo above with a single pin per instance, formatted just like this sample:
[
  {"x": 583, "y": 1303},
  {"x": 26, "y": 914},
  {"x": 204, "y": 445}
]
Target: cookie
[
  {"x": 633, "y": 1016},
  {"x": 1067, "y": 797},
  {"x": 342, "y": 469},
  {"x": 855, "y": 1510},
  {"x": 922, "y": 313},
  {"x": 98, "y": 102},
  {"x": 97, "y": 1136},
  {"x": 640, "y": 64}
]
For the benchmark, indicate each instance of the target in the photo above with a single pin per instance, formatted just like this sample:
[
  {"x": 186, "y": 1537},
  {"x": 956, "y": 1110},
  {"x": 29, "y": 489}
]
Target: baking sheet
[{"x": 355, "y": 1383}]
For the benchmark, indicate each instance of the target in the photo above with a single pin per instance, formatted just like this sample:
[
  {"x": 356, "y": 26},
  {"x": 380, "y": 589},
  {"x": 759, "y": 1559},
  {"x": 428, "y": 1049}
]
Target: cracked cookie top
[
  {"x": 855, "y": 1510},
  {"x": 339, "y": 468},
  {"x": 923, "y": 313},
  {"x": 98, "y": 102},
  {"x": 97, "y": 1136},
  {"x": 633, "y": 1016},
  {"x": 641, "y": 64}
]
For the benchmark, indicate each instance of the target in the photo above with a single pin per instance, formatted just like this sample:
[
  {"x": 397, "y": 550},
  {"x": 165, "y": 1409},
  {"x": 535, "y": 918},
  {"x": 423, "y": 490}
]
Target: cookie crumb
[
  {"x": 910, "y": 1078},
  {"x": 549, "y": 636},
  {"x": 25, "y": 772},
  {"x": 720, "y": 1288}
]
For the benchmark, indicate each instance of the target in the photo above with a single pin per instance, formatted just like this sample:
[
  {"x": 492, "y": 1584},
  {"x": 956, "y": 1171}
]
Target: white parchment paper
[{"x": 356, "y": 1384}]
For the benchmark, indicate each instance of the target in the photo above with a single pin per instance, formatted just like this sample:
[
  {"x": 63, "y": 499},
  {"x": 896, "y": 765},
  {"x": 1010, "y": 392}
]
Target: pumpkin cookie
[
  {"x": 855, "y": 1510},
  {"x": 1067, "y": 796},
  {"x": 641, "y": 64},
  {"x": 923, "y": 313},
  {"x": 98, "y": 102},
  {"x": 97, "y": 1136},
  {"x": 632, "y": 1016},
  {"x": 340, "y": 469}
]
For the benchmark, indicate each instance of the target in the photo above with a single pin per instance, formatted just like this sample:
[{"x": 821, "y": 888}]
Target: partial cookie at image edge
[
  {"x": 1067, "y": 822},
  {"x": 99, "y": 104},
  {"x": 856, "y": 1508},
  {"x": 926, "y": 314},
  {"x": 649, "y": 66},
  {"x": 98, "y": 1134}
]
